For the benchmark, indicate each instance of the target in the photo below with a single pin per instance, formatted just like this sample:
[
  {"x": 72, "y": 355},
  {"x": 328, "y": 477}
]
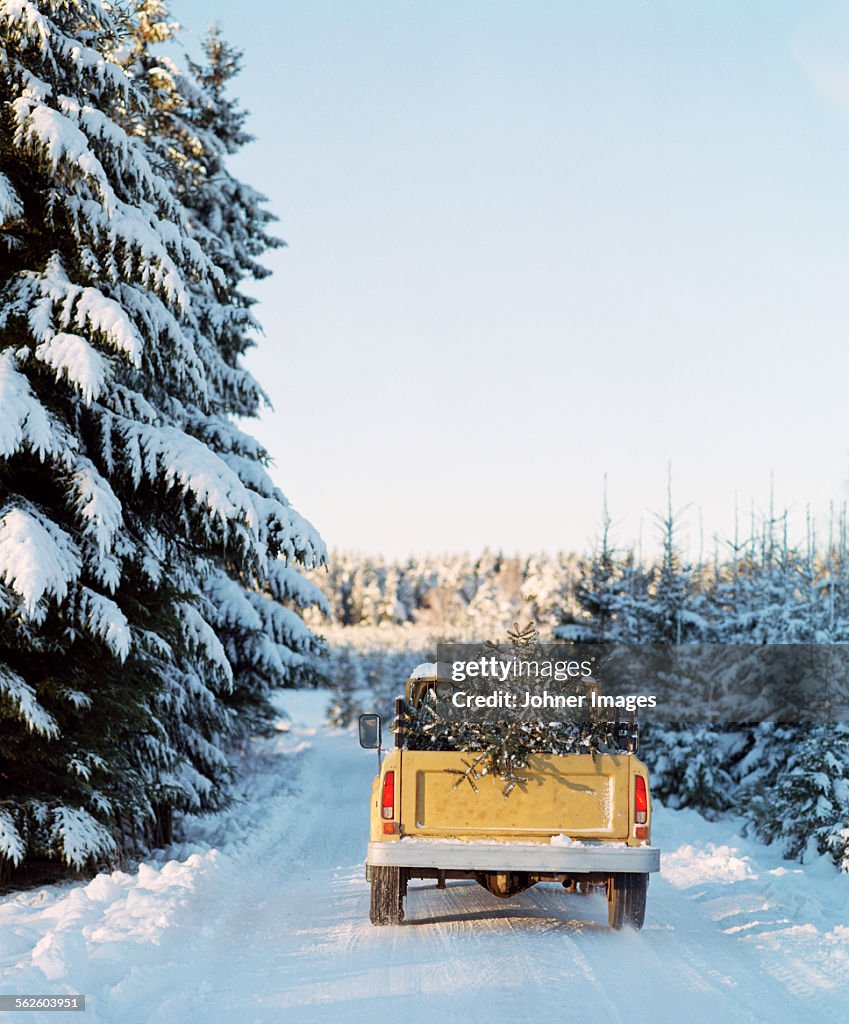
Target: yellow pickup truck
[{"x": 583, "y": 820}]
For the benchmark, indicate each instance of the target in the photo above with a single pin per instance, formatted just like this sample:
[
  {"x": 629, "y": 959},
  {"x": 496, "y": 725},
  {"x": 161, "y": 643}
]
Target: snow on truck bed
[{"x": 263, "y": 917}]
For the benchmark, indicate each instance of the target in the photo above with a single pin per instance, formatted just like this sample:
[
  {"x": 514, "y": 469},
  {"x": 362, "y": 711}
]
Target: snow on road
[{"x": 264, "y": 918}]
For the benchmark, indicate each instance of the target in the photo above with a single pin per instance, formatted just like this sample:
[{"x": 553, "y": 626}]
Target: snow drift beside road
[{"x": 263, "y": 917}]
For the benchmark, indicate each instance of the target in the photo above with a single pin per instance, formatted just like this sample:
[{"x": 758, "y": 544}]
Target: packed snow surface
[{"x": 263, "y": 917}]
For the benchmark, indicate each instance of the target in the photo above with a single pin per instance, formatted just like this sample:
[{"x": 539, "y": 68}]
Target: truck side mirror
[{"x": 370, "y": 732}]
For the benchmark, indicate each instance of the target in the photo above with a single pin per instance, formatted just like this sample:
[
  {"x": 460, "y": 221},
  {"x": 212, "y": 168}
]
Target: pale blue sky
[{"x": 532, "y": 243}]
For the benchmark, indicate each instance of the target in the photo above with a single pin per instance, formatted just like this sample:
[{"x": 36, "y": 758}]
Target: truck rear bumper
[{"x": 537, "y": 858}]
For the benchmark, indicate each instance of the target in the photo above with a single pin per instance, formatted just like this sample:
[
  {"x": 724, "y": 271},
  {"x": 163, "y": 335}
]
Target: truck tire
[
  {"x": 626, "y": 900},
  {"x": 387, "y": 896}
]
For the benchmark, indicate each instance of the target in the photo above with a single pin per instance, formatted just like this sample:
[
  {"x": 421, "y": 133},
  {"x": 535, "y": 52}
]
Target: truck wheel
[
  {"x": 387, "y": 895},
  {"x": 626, "y": 899}
]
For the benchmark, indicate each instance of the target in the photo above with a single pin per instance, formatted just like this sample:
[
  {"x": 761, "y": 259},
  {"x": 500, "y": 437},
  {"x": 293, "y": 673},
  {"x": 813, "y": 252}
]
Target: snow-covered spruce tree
[
  {"x": 346, "y": 670},
  {"x": 672, "y": 620},
  {"x": 65, "y": 640},
  {"x": 630, "y": 608},
  {"x": 598, "y": 585},
  {"x": 547, "y": 590},
  {"x": 686, "y": 758},
  {"x": 111, "y": 677},
  {"x": 805, "y": 806},
  {"x": 256, "y": 616},
  {"x": 688, "y": 770}
]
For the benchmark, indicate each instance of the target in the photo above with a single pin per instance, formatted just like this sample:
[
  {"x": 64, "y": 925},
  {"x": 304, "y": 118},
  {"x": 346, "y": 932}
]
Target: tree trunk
[
  {"x": 6, "y": 870},
  {"x": 163, "y": 825}
]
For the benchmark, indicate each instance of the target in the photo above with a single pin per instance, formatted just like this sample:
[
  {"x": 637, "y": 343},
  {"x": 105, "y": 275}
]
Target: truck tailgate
[{"x": 579, "y": 795}]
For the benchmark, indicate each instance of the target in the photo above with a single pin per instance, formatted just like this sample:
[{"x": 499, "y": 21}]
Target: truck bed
[{"x": 583, "y": 796}]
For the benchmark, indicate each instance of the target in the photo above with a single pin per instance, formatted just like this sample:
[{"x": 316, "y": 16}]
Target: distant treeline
[{"x": 761, "y": 589}]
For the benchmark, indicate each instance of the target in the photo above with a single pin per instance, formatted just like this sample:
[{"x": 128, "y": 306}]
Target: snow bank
[
  {"x": 689, "y": 865},
  {"x": 91, "y": 937}
]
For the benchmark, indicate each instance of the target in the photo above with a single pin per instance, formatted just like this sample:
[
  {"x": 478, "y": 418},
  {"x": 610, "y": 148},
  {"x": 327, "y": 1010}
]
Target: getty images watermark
[
  {"x": 735, "y": 684},
  {"x": 493, "y": 670}
]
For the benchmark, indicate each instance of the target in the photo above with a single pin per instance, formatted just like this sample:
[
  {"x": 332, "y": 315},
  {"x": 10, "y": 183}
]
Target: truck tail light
[
  {"x": 641, "y": 803},
  {"x": 388, "y": 802}
]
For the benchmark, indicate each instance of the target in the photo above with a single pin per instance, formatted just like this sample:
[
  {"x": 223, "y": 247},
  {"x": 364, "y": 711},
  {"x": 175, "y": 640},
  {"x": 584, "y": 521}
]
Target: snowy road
[{"x": 265, "y": 919}]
